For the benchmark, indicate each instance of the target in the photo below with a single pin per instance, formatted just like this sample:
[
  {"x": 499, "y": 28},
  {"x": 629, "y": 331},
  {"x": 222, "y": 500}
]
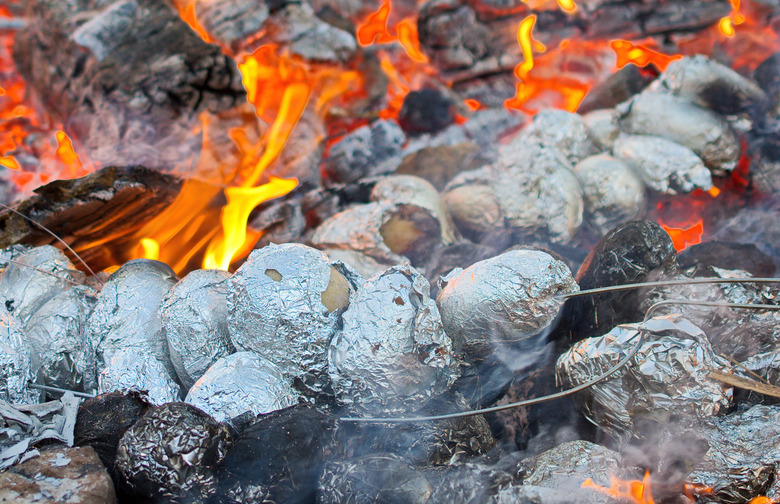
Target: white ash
[
  {"x": 285, "y": 303},
  {"x": 194, "y": 317},
  {"x": 664, "y": 165},
  {"x": 411, "y": 190},
  {"x": 239, "y": 383},
  {"x": 612, "y": 191},
  {"x": 231, "y": 21},
  {"x": 393, "y": 355},
  {"x": 540, "y": 197},
  {"x": 677, "y": 119},
  {"x": 34, "y": 277},
  {"x": 368, "y": 151},
  {"x": 702, "y": 80},
  {"x": 103, "y": 33},
  {"x": 504, "y": 302},
  {"x": 297, "y": 27},
  {"x": 668, "y": 376},
  {"x": 18, "y": 364},
  {"x": 57, "y": 334},
  {"x": 126, "y": 322},
  {"x": 603, "y": 127}
]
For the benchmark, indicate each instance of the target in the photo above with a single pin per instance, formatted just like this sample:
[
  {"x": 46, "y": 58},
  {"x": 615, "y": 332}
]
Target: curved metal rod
[{"x": 664, "y": 283}]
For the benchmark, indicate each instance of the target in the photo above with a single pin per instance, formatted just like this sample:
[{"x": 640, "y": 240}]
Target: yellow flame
[
  {"x": 725, "y": 27},
  {"x": 567, "y": 6},
  {"x": 525, "y": 41},
  {"x": 150, "y": 249},
  {"x": 10, "y": 162}
]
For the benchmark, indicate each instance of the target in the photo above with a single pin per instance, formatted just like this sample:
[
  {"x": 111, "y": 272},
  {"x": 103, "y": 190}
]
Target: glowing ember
[
  {"x": 640, "y": 55},
  {"x": 374, "y": 29},
  {"x": 761, "y": 500},
  {"x": 686, "y": 236},
  {"x": 633, "y": 491},
  {"x": 472, "y": 104}
]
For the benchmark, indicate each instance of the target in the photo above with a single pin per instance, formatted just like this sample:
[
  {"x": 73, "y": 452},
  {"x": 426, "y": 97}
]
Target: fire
[
  {"x": 640, "y": 55},
  {"x": 684, "y": 237},
  {"x": 567, "y": 6},
  {"x": 633, "y": 491}
]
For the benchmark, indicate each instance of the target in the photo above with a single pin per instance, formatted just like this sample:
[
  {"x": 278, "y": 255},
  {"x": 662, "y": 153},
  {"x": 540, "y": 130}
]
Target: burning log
[
  {"x": 664, "y": 165},
  {"x": 392, "y": 355},
  {"x": 98, "y": 215},
  {"x": 669, "y": 376},
  {"x": 194, "y": 318},
  {"x": 171, "y": 452},
  {"x": 285, "y": 303},
  {"x": 125, "y": 332},
  {"x": 239, "y": 383},
  {"x": 385, "y": 231}
]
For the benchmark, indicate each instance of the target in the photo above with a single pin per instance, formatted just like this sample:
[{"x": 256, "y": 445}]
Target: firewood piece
[
  {"x": 744, "y": 383},
  {"x": 677, "y": 119},
  {"x": 96, "y": 215},
  {"x": 617, "y": 88}
]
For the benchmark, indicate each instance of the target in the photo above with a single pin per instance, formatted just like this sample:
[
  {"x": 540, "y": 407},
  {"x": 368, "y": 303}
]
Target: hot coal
[
  {"x": 380, "y": 477},
  {"x": 171, "y": 451},
  {"x": 278, "y": 457},
  {"x": 668, "y": 377},
  {"x": 627, "y": 254},
  {"x": 392, "y": 355},
  {"x": 194, "y": 317},
  {"x": 285, "y": 303},
  {"x": 726, "y": 255},
  {"x": 425, "y": 111},
  {"x": 239, "y": 383},
  {"x": 56, "y": 334}
]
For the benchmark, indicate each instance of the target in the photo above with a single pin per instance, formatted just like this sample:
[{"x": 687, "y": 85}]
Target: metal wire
[{"x": 57, "y": 390}]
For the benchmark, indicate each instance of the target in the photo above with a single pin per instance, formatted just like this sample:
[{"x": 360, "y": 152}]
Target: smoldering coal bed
[{"x": 422, "y": 268}]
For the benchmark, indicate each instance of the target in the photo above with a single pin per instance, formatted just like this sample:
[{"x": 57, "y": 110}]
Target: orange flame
[
  {"x": 640, "y": 55},
  {"x": 684, "y": 237},
  {"x": 567, "y": 6},
  {"x": 633, "y": 491},
  {"x": 374, "y": 29},
  {"x": 761, "y": 500},
  {"x": 9, "y": 162}
]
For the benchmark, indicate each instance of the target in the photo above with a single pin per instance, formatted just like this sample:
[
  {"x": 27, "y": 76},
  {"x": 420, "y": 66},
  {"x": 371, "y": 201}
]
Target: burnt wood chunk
[
  {"x": 625, "y": 255},
  {"x": 732, "y": 256},
  {"x": 617, "y": 88},
  {"x": 97, "y": 215}
]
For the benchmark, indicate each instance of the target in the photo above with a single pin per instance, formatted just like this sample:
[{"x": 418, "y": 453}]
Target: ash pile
[{"x": 425, "y": 270}]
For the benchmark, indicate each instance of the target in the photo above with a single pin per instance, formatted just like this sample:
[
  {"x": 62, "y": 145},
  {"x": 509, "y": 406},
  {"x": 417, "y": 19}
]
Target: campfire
[{"x": 390, "y": 251}]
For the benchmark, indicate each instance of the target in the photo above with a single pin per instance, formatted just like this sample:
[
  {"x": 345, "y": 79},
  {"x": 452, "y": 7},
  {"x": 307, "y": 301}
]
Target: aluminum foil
[
  {"x": 744, "y": 455},
  {"x": 136, "y": 368},
  {"x": 171, "y": 451},
  {"x": 677, "y": 119},
  {"x": 602, "y": 126},
  {"x": 126, "y": 321},
  {"x": 56, "y": 333},
  {"x": 663, "y": 164},
  {"x": 359, "y": 228},
  {"x": 379, "y": 477},
  {"x": 34, "y": 278},
  {"x": 469, "y": 483},
  {"x": 241, "y": 382},
  {"x": 392, "y": 355},
  {"x": 285, "y": 303},
  {"x": 551, "y": 128},
  {"x": 668, "y": 376},
  {"x": 504, "y": 303},
  {"x": 18, "y": 363},
  {"x": 532, "y": 193},
  {"x": 734, "y": 332},
  {"x": 612, "y": 191},
  {"x": 194, "y": 318}
]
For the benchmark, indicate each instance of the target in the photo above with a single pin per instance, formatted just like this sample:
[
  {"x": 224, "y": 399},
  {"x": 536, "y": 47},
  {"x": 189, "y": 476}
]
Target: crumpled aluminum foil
[
  {"x": 663, "y": 164},
  {"x": 241, "y": 382},
  {"x": 194, "y": 318},
  {"x": 57, "y": 335},
  {"x": 35, "y": 277},
  {"x": 743, "y": 457},
  {"x": 392, "y": 355},
  {"x": 18, "y": 363},
  {"x": 734, "y": 332},
  {"x": 171, "y": 450},
  {"x": 278, "y": 307},
  {"x": 125, "y": 321},
  {"x": 550, "y": 128},
  {"x": 378, "y": 477},
  {"x": 503, "y": 303},
  {"x": 668, "y": 376},
  {"x": 138, "y": 369}
]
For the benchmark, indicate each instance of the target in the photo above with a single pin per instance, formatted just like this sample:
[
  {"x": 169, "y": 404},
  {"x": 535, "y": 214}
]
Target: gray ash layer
[
  {"x": 239, "y": 383},
  {"x": 393, "y": 355},
  {"x": 285, "y": 303},
  {"x": 194, "y": 317}
]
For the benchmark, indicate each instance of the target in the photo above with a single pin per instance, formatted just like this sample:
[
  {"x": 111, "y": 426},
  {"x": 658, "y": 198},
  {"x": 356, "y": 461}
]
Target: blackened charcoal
[
  {"x": 425, "y": 111},
  {"x": 767, "y": 75},
  {"x": 627, "y": 254},
  {"x": 364, "y": 152},
  {"x": 379, "y": 477},
  {"x": 103, "y": 420},
  {"x": 277, "y": 458},
  {"x": 617, "y": 88},
  {"x": 171, "y": 451},
  {"x": 726, "y": 255}
]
